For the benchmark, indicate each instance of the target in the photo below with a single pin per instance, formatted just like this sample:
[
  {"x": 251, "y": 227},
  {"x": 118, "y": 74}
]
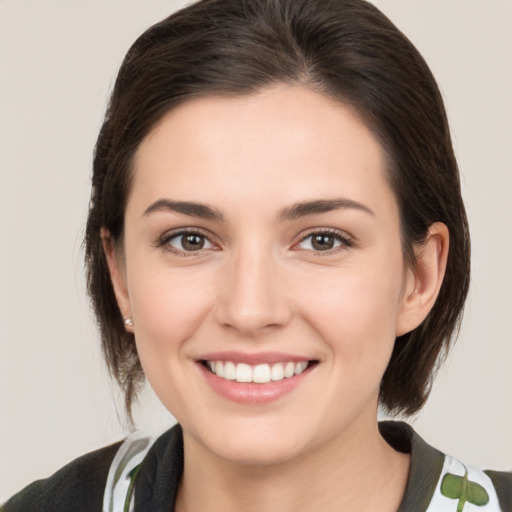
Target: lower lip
[{"x": 251, "y": 392}]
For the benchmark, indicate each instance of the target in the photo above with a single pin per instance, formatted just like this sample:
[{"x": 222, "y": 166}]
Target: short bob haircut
[{"x": 344, "y": 49}]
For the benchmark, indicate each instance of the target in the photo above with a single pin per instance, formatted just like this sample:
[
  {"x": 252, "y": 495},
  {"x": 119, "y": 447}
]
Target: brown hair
[{"x": 346, "y": 49}]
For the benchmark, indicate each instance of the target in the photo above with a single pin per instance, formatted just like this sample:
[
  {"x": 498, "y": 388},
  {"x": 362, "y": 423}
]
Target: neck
[{"x": 355, "y": 471}]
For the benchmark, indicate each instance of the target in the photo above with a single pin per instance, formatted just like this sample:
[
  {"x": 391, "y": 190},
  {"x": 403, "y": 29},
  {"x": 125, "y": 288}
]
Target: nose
[{"x": 252, "y": 297}]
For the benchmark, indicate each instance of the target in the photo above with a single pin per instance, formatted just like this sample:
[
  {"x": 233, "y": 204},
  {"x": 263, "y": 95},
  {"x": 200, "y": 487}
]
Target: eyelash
[
  {"x": 339, "y": 236},
  {"x": 344, "y": 240},
  {"x": 164, "y": 241}
]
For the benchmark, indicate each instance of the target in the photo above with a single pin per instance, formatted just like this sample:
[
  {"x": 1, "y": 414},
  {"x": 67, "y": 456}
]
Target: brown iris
[
  {"x": 322, "y": 242},
  {"x": 192, "y": 242}
]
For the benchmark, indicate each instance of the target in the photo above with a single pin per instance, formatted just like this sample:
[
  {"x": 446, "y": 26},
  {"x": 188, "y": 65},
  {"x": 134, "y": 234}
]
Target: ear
[
  {"x": 424, "y": 281},
  {"x": 116, "y": 268}
]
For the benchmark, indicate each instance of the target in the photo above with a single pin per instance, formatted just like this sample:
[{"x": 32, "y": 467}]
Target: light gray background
[{"x": 58, "y": 60}]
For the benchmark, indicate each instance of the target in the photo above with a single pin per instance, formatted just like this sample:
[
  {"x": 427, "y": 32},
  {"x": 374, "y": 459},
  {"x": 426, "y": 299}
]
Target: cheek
[
  {"x": 168, "y": 305},
  {"x": 355, "y": 311}
]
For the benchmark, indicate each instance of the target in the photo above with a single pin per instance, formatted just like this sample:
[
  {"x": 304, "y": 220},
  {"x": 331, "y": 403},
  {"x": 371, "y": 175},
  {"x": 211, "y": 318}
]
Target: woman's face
[{"x": 261, "y": 236}]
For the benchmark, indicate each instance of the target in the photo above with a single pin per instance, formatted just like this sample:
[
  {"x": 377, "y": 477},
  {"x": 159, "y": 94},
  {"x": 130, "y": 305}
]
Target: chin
[
  {"x": 257, "y": 452},
  {"x": 253, "y": 444}
]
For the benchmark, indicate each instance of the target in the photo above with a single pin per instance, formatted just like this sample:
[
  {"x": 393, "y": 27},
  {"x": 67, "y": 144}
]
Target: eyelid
[
  {"x": 345, "y": 238},
  {"x": 163, "y": 240}
]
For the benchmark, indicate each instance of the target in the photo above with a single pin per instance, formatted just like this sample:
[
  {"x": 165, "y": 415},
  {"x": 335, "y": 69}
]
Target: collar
[{"x": 435, "y": 482}]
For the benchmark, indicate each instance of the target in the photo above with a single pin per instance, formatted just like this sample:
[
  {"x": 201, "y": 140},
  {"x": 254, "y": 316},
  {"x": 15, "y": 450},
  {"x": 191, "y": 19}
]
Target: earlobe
[
  {"x": 425, "y": 280},
  {"x": 117, "y": 276}
]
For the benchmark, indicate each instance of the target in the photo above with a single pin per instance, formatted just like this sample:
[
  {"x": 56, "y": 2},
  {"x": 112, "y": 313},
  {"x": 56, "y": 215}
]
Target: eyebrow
[
  {"x": 190, "y": 208},
  {"x": 293, "y": 212},
  {"x": 321, "y": 206}
]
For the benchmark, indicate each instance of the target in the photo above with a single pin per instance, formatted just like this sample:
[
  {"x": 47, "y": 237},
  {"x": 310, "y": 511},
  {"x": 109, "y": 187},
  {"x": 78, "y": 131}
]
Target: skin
[{"x": 259, "y": 285}]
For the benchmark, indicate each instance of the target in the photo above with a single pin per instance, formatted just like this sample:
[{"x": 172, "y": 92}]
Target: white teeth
[
  {"x": 300, "y": 367},
  {"x": 261, "y": 373},
  {"x": 243, "y": 373},
  {"x": 229, "y": 370},
  {"x": 277, "y": 372},
  {"x": 289, "y": 370}
]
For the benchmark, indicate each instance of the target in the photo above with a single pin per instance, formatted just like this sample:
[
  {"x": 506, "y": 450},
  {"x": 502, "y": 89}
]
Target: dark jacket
[{"x": 80, "y": 486}]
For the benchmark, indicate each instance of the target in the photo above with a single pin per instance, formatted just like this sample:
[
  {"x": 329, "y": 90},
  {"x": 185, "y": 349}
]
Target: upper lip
[{"x": 254, "y": 358}]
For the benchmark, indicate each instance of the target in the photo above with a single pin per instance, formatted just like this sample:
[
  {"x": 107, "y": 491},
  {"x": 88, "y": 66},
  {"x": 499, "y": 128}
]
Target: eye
[
  {"x": 187, "y": 242},
  {"x": 323, "y": 241}
]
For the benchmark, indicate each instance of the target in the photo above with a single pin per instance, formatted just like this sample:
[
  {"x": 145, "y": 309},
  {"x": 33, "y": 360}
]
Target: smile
[
  {"x": 260, "y": 374},
  {"x": 255, "y": 379}
]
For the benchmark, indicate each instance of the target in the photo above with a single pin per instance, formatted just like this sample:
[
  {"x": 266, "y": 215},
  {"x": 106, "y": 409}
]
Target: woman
[{"x": 277, "y": 242}]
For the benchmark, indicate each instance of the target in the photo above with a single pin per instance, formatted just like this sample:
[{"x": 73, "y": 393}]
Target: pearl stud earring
[{"x": 128, "y": 322}]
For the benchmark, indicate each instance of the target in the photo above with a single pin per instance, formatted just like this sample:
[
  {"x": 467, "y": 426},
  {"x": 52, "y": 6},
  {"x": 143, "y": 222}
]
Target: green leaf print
[
  {"x": 460, "y": 488},
  {"x": 131, "y": 488}
]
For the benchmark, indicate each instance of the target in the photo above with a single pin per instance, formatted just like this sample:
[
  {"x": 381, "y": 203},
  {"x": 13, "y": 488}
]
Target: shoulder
[
  {"x": 441, "y": 483},
  {"x": 78, "y": 486},
  {"x": 502, "y": 482},
  {"x": 463, "y": 484}
]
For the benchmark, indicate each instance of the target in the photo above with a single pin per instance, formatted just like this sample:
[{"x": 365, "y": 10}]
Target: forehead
[{"x": 283, "y": 144}]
